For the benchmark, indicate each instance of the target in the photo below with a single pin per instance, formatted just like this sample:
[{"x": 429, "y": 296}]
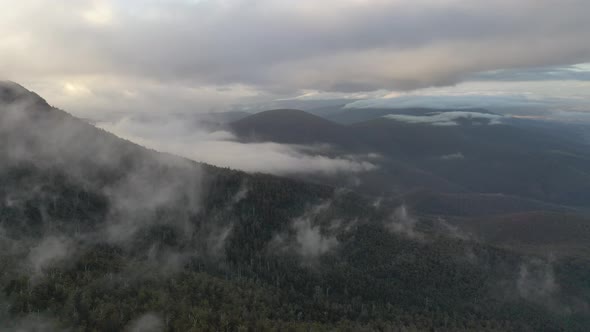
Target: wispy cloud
[
  {"x": 449, "y": 100},
  {"x": 453, "y": 118}
]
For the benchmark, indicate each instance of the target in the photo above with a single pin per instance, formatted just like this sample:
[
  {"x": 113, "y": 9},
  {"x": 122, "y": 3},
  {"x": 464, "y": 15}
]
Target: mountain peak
[
  {"x": 287, "y": 117},
  {"x": 11, "y": 92},
  {"x": 288, "y": 126}
]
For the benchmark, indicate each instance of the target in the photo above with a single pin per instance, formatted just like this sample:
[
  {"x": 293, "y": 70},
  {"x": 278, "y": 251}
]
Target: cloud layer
[
  {"x": 191, "y": 140},
  {"x": 453, "y": 118},
  {"x": 102, "y": 53}
]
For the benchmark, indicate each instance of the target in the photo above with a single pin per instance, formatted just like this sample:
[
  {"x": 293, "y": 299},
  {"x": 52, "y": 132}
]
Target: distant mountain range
[{"x": 515, "y": 158}]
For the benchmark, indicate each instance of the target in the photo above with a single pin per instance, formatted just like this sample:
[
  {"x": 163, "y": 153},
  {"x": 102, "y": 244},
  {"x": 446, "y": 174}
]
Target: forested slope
[{"x": 99, "y": 234}]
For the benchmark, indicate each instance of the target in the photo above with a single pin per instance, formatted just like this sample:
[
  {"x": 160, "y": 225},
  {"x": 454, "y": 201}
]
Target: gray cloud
[
  {"x": 536, "y": 280},
  {"x": 223, "y": 51},
  {"x": 401, "y": 222},
  {"x": 456, "y": 101},
  {"x": 308, "y": 240},
  {"x": 149, "y": 322},
  {"x": 576, "y": 73},
  {"x": 453, "y": 156},
  {"x": 217, "y": 239},
  {"x": 138, "y": 196},
  {"x": 33, "y": 322},
  {"x": 311, "y": 242},
  {"x": 50, "y": 250}
]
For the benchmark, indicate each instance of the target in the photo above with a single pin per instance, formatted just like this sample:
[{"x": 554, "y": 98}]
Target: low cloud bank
[
  {"x": 460, "y": 100},
  {"x": 453, "y": 118},
  {"x": 220, "y": 148}
]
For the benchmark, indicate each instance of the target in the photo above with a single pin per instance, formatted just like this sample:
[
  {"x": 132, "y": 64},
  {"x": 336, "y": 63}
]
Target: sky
[{"x": 97, "y": 57}]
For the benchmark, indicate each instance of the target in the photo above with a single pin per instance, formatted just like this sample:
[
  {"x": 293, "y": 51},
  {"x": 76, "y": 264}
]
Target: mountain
[
  {"x": 100, "y": 234},
  {"x": 301, "y": 128},
  {"x": 475, "y": 205},
  {"x": 289, "y": 126},
  {"x": 535, "y": 232},
  {"x": 489, "y": 158},
  {"x": 469, "y": 151},
  {"x": 326, "y": 111}
]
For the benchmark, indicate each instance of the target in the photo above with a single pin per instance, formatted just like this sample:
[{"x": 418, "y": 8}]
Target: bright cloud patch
[{"x": 449, "y": 118}]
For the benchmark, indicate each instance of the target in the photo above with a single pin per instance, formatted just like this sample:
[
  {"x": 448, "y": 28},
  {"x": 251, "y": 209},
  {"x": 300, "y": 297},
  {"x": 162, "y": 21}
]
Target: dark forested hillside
[
  {"x": 100, "y": 234},
  {"x": 290, "y": 126}
]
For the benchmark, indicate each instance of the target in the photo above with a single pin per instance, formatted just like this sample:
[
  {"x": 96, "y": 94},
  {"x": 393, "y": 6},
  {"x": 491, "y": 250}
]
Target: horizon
[
  {"x": 294, "y": 165},
  {"x": 97, "y": 57}
]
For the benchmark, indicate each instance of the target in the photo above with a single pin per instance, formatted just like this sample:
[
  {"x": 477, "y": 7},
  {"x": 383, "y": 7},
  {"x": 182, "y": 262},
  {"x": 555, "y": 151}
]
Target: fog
[
  {"x": 145, "y": 212},
  {"x": 149, "y": 322},
  {"x": 51, "y": 250},
  {"x": 448, "y": 118},
  {"x": 220, "y": 147},
  {"x": 403, "y": 223}
]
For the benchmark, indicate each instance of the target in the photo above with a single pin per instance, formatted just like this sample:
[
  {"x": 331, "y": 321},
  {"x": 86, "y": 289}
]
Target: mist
[
  {"x": 449, "y": 118},
  {"x": 149, "y": 322},
  {"x": 421, "y": 165},
  {"x": 403, "y": 223},
  {"x": 217, "y": 146}
]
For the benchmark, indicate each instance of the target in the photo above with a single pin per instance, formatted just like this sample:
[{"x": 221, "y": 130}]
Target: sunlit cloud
[
  {"x": 74, "y": 89},
  {"x": 100, "y": 13}
]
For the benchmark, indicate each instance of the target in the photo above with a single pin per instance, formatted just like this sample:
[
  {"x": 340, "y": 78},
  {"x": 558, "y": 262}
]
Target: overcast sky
[{"x": 91, "y": 57}]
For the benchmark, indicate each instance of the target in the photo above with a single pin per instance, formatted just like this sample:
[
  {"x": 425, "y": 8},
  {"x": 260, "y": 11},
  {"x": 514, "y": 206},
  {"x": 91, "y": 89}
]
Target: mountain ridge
[
  {"x": 97, "y": 232},
  {"x": 289, "y": 126}
]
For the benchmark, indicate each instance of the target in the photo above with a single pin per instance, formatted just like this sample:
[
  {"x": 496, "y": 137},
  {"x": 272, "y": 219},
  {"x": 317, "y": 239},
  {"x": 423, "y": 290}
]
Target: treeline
[{"x": 372, "y": 280}]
